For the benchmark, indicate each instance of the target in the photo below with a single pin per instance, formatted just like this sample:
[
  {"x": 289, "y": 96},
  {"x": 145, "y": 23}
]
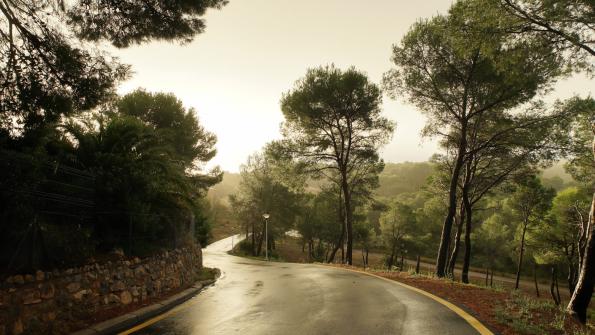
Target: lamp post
[{"x": 266, "y": 235}]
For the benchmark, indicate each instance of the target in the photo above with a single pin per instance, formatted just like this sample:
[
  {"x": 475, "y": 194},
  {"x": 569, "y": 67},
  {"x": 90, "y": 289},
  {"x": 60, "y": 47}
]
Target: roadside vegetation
[{"x": 85, "y": 173}]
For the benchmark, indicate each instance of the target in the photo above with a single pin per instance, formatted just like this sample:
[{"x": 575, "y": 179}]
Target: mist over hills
[{"x": 397, "y": 178}]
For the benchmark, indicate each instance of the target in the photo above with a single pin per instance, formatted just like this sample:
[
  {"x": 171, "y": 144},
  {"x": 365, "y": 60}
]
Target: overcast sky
[{"x": 254, "y": 50}]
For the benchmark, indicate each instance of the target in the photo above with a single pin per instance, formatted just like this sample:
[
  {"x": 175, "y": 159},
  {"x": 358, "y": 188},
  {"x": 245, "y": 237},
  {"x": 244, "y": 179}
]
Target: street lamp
[{"x": 266, "y": 235}]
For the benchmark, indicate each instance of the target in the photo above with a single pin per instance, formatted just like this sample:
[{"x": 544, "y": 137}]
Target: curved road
[{"x": 256, "y": 297}]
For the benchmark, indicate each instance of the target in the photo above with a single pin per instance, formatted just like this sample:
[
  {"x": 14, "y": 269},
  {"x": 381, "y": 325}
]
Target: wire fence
[{"x": 50, "y": 217}]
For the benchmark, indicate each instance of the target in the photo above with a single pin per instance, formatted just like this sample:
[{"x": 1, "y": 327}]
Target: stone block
[
  {"x": 118, "y": 286},
  {"x": 47, "y": 291},
  {"x": 17, "y": 327},
  {"x": 73, "y": 287},
  {"x": 113, "y": 299},
  {"x": 125, "y": 297},
  {"x": 80, "y": 294},
  {"x": 31, "y": 297},
  {"x": 18, "y": 279},
  {"x": 39, "y": 275}
]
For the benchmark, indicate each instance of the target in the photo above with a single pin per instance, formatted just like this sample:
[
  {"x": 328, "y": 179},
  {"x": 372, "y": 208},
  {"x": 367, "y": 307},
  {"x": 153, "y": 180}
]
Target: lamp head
[{"x": 266, "y": 215}]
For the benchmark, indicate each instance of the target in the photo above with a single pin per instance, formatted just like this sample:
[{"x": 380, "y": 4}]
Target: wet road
[{"x": 255, "y": 297}]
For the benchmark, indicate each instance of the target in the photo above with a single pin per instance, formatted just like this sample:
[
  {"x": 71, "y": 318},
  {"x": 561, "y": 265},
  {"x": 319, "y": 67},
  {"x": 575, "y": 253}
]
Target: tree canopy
[{"x": 47, "y": 72}]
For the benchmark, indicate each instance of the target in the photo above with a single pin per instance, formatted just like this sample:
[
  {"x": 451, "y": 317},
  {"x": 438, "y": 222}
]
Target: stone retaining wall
[{"x": 60, "y": 301}]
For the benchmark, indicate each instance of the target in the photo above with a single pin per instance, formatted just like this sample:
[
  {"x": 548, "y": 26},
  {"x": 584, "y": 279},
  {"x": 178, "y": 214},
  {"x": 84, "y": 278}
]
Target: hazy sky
[{"x": 254, "y": 50}]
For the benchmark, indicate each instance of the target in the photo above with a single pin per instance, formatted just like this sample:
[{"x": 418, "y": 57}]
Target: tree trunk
[
  {"x": 363, "y": 258},
  {"x": 521, "y": 253},
  {"x": 558, "y": 290},
  {"x": 392, "y": 257},
  {"x": 572, "y": 277},
  {"x": 253, "y": 240},
  {"x": 348, "y": 219},
  {"x": 402, "y": 260},
  {"x": 535, "y": 279},
  {"x": 553, "y": 285},
  {"x": 487, "y": 276},
  {"x": 467, "y": 258},
  {"x": 340, "y": 241},
  {"x": 260, "y": 240},
  {"x": 417, "y": 264},
  {"x": 492, "y": 277},
  {"x": 339, "y": 245},
  {"x": 579, "y": 302},
  {"x": 455, "y": 251},
  {"x": 452, "y": 204}
]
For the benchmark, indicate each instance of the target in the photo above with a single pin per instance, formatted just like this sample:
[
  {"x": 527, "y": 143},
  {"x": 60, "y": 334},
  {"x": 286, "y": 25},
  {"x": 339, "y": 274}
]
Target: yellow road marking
[
  {"x": 483, "y": 330},
  {"x": 160, "y": 317}
]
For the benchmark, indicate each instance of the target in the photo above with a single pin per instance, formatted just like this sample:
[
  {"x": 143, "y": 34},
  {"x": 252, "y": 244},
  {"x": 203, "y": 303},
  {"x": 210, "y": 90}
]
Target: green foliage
[
  {"x": 397, "y": 224},
  {"x": 139, "y": 169},
  {"x": 133, "y": 21},
  {"x": 492, "y": 241},
  {"x": 127, "y": 184},
  {"x": 530, "y": 201},
  {"x": 320, "y": 224},
  {"x": 333, "y": 121},
  {"x": 576, "y": 137},
  {"x": 443, "y": 62},
  {"x": 49, "y": 74},
  {"x": 567, "y": 24},
  {"x": 262, "y": 190},
  {"x": 177, "y": 126}
]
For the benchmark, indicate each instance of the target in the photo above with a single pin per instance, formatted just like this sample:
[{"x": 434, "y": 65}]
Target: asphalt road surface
[{"x": 256, "y": 297}]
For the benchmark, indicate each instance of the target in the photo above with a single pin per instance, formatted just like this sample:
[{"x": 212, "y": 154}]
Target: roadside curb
[{"x": 128, "y": 320}]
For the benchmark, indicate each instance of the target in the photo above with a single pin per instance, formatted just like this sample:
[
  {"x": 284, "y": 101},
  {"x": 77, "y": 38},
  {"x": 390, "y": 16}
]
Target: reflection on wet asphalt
[{"x": 255, "y": 297}]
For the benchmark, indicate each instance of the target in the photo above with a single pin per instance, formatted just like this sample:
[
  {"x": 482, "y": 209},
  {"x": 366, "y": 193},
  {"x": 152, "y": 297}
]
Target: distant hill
[
  {"x": 398, "y": 178},
  {"x": 557, "y": 170},
  {"x": 556, "y": 177},
  {"x": 229, "y": 185}
]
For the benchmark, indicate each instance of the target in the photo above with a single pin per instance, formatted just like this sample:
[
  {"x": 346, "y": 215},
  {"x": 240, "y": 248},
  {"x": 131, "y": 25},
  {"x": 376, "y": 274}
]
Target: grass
[
  {"x": 527, "y": 315},
  {"x": 208, "y": 273}
]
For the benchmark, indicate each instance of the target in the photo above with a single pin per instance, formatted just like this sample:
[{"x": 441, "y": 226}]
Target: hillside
[
  {"x": 226, "y": 187},
  {"x": 398, "y": 178}
]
